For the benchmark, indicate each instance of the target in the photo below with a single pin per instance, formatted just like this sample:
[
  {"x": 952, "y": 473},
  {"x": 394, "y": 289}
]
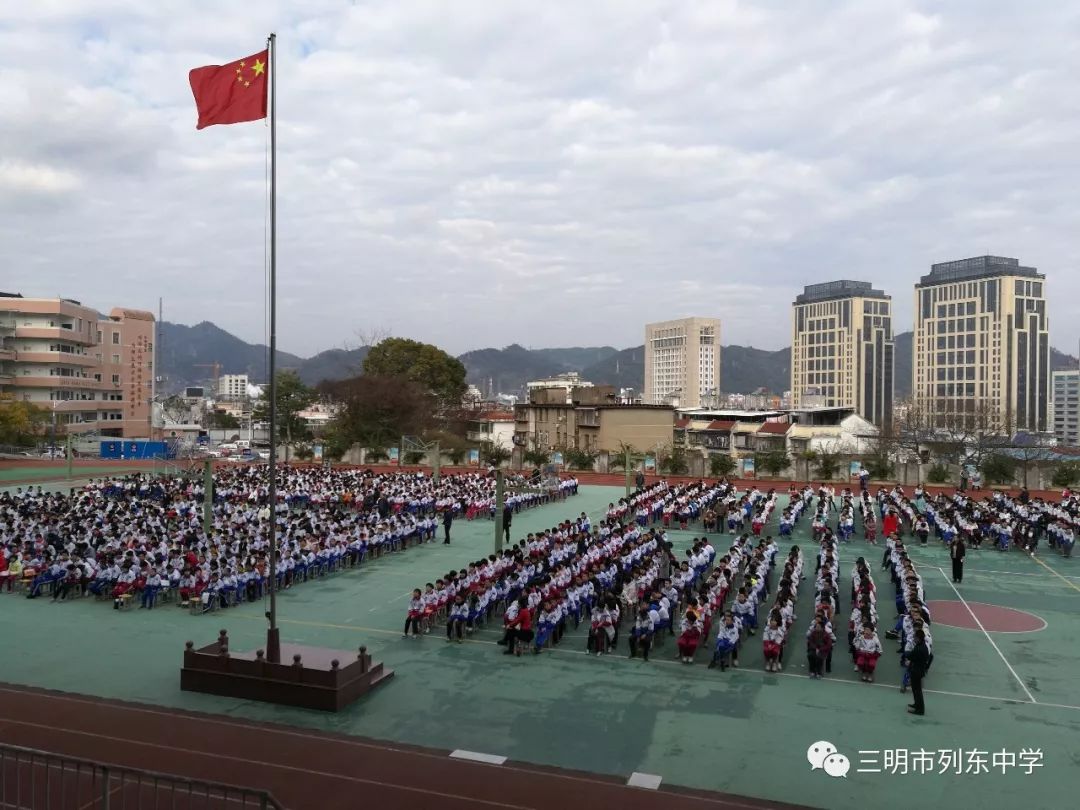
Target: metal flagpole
[{"x": 273, "y": 639}]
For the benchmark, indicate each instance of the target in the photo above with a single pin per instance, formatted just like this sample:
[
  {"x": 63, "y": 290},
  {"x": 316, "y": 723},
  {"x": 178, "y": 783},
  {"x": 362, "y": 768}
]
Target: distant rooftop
[
  {"x": 977, "y": 267},
  {"x": 844, "y": 288}
]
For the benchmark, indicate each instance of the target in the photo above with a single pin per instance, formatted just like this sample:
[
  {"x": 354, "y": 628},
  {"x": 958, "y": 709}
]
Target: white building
[
  {"x": 1066, "y": 407},
  {"x": 496, "y": 427},
  {"x": 232, "y": 386},
  {"x": 682, "y": 362}
]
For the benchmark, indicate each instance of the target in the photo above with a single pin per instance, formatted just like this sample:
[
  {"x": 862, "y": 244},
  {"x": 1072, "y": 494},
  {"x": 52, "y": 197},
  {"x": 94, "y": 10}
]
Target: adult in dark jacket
[
  {"x": 919, "y": 661},
  {"x": 447, "y": 522},
  {"x": 957, "y": 552}
]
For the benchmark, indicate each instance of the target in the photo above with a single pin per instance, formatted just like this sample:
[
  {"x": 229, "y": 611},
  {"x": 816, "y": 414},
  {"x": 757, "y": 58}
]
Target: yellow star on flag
[{"x": 258, "y": 67}]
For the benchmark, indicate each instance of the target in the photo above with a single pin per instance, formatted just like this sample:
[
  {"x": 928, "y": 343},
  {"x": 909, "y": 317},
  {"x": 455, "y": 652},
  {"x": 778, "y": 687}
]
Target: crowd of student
[{"x": 138, "y": 537}]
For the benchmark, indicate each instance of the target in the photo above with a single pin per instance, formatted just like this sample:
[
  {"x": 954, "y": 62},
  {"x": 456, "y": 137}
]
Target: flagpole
[{"x": 273, "y": 639}]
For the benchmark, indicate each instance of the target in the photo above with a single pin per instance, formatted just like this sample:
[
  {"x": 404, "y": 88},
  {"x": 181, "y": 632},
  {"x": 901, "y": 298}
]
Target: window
[
  {"x": 116, "y": 359},
  {"x": 116, "y": 338},
  {"x": 115, "y": 379}
]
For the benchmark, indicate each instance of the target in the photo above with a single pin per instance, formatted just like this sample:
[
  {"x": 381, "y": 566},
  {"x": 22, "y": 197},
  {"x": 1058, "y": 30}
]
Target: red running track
[{"x": 306, "y": 769}]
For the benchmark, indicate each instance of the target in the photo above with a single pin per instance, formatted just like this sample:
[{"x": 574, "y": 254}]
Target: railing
[{"x": 36, "y": 780}]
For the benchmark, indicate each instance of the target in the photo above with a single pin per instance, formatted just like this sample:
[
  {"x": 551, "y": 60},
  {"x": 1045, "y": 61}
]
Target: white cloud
[{"x": 469, "y": 172}]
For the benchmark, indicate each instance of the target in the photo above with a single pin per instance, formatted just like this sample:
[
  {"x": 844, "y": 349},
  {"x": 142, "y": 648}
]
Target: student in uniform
[
  {"x": 727, "y": 643},
  {"x": 457, "y": 618},
  {"x": 772, "y": 644},
  {"x": 867, "y": 652},
  {"x": 641, "y": 634},
  {"x": 689, "y": 637},
  {"x": 416, "y": 611}
]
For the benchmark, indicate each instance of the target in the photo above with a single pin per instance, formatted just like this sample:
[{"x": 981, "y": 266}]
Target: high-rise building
[
  {"x": 1066, "y": 402},
  {"x": 981, "y": 353},
  {"x": 92, "y": 372},
  {"x": 842, "y": 349},
  {"x": 682, "y": 362},
  {"x": 232, "y": 386}
]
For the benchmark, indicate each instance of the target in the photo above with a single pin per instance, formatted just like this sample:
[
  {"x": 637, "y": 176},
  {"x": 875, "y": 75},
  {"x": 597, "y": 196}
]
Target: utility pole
[
  {"x": 208, "y": 496},
  {"x": 69, "y": 455},
  {"x": 436, "y": 462},
  {"x": 626, "y": 466},
  {"x": 500, "y": 505}
]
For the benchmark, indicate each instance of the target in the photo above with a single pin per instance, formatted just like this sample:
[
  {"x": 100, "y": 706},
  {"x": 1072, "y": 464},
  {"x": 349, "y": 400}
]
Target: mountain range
[{"x": 188, "y": 354}]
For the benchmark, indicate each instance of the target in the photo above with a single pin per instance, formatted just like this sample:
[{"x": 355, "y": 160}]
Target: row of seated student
[
  {"x": 573, "y": 574},
  {"x": 998, "y": 520},
  {"x": 142, "y": 536}
]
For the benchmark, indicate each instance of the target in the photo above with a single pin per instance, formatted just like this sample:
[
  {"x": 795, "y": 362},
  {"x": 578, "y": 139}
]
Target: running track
[{"x": 306, "y": 769}]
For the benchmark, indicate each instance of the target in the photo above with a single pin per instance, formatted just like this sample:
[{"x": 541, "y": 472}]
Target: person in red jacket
[
  {"x": 519, "y": 630},
  {"x": 890, "y": 524}
]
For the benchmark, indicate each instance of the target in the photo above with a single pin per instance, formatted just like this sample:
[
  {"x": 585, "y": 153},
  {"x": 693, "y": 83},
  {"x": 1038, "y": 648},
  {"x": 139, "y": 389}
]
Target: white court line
[
  {"x": 993, "y": 644},
  {"x": 648, "y": 781},
  {"x": 476, "y": 756},
  {"x": 1014, "y": 573}
]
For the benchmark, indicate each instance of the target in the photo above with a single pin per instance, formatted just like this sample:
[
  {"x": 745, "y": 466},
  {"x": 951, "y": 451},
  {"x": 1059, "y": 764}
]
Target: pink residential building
[{"x": 94, "y": 373}]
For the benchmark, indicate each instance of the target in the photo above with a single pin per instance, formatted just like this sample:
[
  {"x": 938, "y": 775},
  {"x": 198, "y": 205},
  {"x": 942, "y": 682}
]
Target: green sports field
[{"x": 744, "y": 731}]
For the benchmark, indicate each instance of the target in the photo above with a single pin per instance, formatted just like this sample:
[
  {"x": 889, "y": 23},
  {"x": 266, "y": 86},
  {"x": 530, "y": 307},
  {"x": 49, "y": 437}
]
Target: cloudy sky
[{"x": 476, "y": 173}]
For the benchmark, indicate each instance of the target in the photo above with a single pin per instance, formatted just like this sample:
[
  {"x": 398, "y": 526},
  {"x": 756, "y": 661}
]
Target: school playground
[{"x": 573, "y": 728}]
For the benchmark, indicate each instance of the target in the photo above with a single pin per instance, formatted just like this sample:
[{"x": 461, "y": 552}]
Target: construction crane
[{"x": 216, "y": 366}]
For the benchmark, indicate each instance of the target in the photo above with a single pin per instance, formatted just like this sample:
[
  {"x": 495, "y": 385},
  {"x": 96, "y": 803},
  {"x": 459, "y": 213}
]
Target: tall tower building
[
  {"x": 981, "y": 346},
  {"x": 842, "y": 349},
  {"x": 1066, "y": 393},
  {"x": 682, "y": 362}
]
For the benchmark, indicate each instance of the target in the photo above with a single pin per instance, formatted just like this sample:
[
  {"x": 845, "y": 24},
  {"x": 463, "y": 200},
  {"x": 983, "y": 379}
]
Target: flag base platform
[{"x": 307, "y": 677}]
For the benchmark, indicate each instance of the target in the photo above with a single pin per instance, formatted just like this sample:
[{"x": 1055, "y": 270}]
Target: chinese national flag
[{"x": 232, "y": 93}]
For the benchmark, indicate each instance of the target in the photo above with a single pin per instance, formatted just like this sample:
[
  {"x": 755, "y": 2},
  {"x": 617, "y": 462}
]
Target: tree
[
  {"x": 292, "y": 396},
  {"x": 536, "y": 458},
  {"x": 221, "y": 420},
  {"x": 909, "y": 433},
  {"x": 494, "y": 454},
  {"x": 721, "y": 465},
  {"x": 826, "y": 460},
  {"x": 937, "y": 474},
  {"x": 376, "y": 411},
  {"x": 1028, "y": 454},
  {"x": 999, "y": 468},
  {"x": 421, "y": 363},
  {"x": 674, "y": 462},
  {"x": 772, "y": 462},
  {"x": 21, "y": 422},
  {"x": 455, "y": 454},
  {"x": 1065, "y": 474},
  {"x": 617, "y": 458},
  {"x": 577, "y": 459}
]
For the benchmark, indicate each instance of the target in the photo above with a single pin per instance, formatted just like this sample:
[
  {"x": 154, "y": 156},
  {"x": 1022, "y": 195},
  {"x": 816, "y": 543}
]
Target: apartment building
[
  {"x": 682, "y": 362},
  {"x": 591, "y": 419},
  {"x": 232, "y": 386},
  {"x": 842, "y": 349},
  {"x": 1066, "y": 407},
  {"x": 981, "y": 346},
  {"x": 92, "y": 372}
]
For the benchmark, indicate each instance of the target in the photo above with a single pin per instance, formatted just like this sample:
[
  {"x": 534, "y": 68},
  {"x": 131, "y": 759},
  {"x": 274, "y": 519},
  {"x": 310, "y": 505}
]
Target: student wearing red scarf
[{"x": 519, "y": 630}]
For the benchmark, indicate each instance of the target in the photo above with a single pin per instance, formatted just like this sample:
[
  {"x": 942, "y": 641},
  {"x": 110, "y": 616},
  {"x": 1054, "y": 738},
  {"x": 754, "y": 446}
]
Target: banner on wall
[
  {"x": 748, "y": 470},
  {"x": 557, "y": 458},
  {"x": 650, "y": 463},
  {"x": 316, "y": 452},
  {"x": 392, "y": 455},
  {"x": 474, "y": 458},
  {"x": 854, "y": 468}
]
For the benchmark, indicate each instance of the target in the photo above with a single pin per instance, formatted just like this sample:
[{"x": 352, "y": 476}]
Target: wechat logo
[{"x": 823, "y": 756}]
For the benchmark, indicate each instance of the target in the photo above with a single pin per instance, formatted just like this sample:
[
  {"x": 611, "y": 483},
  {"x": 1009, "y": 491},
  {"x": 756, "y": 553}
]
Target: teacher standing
[
  {"x": 918, "y": 662},
  {"x": 957, "y": 552}
]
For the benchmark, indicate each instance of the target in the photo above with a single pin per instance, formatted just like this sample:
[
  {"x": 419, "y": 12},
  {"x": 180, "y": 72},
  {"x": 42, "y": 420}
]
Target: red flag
[{"x": 232, "y": 93}]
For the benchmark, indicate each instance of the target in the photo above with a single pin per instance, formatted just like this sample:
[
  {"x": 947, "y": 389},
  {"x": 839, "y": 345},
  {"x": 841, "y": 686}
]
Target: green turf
[{"x": 744, "y": 731}]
